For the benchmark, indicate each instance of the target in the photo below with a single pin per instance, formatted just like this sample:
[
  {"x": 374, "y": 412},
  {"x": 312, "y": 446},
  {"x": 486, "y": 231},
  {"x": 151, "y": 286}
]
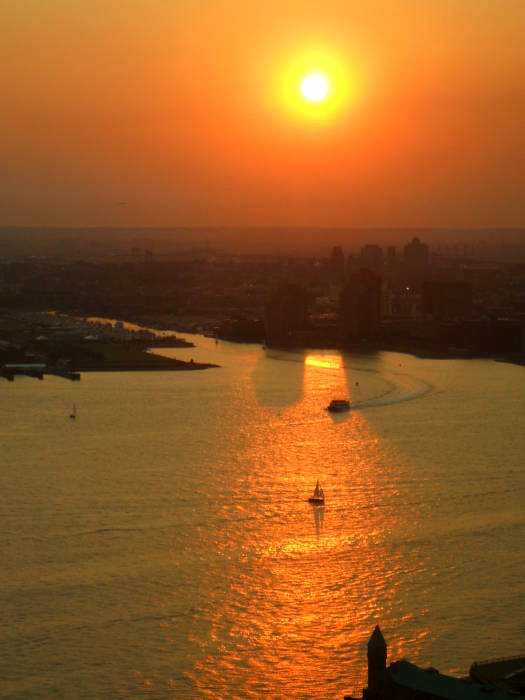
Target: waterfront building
[
  {"x": 360, "y": 307},
  {"x": 406, "y": 303},
  {"x": 502, "y": 679},
  {"x": 286, "y": 315},
  {"x": 450, "y": 301},
  {"x": 496, "y": 336}
]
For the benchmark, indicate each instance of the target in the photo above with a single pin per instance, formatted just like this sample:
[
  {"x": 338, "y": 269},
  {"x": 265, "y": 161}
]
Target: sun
[{"x": 315, "y": 87}]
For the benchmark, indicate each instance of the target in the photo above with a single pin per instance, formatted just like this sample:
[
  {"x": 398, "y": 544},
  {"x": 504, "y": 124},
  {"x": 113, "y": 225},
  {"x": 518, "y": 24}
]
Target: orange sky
[{"x": 174, "y": 113}]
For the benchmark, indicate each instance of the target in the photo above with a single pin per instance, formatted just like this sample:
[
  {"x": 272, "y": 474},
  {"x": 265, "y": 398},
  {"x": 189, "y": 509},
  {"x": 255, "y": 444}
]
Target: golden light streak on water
[
  {"x": 312, "y": 580},
  {"x": 162, "y": 544},
  {"x": 334, "y": 361}
]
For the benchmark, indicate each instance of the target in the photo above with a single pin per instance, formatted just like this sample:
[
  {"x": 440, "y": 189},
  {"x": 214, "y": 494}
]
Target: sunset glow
[
  {"x": 315, "y": 87},
  {"x": 318, "y": 85},
  {"x": 180, "y": 116}
]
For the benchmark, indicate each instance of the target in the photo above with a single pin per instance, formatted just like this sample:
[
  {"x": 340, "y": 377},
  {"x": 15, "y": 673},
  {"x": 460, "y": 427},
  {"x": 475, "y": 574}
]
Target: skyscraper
[{"x": 360, "y": 304}]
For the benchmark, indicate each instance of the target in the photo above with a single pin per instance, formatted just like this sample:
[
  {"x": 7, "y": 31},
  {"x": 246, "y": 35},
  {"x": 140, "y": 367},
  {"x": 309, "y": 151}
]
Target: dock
[{"x": 36, "y": 370}]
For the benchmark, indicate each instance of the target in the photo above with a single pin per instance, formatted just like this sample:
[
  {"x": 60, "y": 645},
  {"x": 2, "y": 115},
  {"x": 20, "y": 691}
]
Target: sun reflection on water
[
  {"x": 298, "y": 589},
  {"x": 332, "y": 361}
]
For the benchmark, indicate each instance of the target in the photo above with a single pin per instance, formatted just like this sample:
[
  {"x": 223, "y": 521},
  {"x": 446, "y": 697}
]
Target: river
[{"x": 161, "y": 545}]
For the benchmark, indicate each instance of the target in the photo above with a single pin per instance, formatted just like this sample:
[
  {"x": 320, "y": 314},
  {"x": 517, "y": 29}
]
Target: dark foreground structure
[{"x": 500, "y": 679}]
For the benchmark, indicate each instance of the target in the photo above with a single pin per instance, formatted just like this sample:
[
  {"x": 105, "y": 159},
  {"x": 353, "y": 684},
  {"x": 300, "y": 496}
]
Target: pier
[{"x": 36, "y": 370}]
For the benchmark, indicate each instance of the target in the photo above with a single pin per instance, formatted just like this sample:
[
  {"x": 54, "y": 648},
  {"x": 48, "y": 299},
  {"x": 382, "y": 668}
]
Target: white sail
[
  {"x": 321, "y": 493},
  {"x": 316, "y": 492}
]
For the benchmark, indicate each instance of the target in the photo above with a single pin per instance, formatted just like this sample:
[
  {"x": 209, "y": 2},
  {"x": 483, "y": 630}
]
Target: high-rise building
[
  {"x": 337, "y": 265},
  {"x": 415, "y": 263},
  {"x": 415, "y": 254},
  {"x": 372, "y": 258},
  {"x": 391, "y": 255},
  {"x": 360, "y": 304},
  {"x": 286, "y": 315},
  {"x": 352, "y": 265},
  {"x": 451, "y": 301},
  {"x": 387, "y": 297}
]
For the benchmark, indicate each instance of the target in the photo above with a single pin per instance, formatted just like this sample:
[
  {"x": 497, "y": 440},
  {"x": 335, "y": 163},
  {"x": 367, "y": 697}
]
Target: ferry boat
[
  {"x": 317, "y": 499},
  {"x": 338, "y": 405}
]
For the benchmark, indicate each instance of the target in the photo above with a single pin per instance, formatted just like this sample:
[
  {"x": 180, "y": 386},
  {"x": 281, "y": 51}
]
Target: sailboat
[
  {"x": 318, "y": 496},
  {"x": 73, "y": 413}
]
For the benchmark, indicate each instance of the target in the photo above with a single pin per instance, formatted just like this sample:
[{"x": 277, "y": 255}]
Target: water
[{"x": 161, "y": 545}]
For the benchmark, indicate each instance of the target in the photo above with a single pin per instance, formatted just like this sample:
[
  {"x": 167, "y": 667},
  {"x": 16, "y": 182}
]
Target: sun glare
[
  {"x": 317, "y": 84},
  {"x": 315, "y": 87}
]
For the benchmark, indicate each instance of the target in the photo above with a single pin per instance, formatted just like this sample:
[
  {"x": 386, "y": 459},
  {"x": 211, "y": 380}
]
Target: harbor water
[{"x": 161, "y": 544}]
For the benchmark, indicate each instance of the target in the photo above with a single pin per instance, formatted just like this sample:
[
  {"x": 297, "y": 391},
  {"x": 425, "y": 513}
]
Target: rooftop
[{"x": 431, "y": 682}]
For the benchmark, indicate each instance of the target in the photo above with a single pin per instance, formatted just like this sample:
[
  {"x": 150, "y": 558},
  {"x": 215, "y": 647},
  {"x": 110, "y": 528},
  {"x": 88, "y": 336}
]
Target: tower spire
[{"x": 377, "y": 652}]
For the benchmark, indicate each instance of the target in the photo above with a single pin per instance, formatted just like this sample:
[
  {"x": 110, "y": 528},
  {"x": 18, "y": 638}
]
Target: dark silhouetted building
[
  {"x": 407, "y": 303},
  {"x": 415, "y": 254},
  {"x": 402, "y": 680},
  {"x": 391, "y": 256},
  {"x": 337, "y": 265},
  {"x": 376, "y": 653},
  {"x": 415, "y": 262},
  {"x": 387, "y": 298},
  {"x": 372, "y": 258},
  {"x": 497, "y": 336},
  {"x": 360, "y": 307},
  {"x": 506, "y": 673},
  {"x": 352, "y": 265},
  {"x": 447, "y": 301},
  {"x": 286, "y": 316}
]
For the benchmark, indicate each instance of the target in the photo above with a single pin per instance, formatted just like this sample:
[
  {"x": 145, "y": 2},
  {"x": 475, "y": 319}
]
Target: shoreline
[
  {"x": 183, "y": 366},
  {"x": 158, "y": 323},
  {"x": 57, "y": 343}
]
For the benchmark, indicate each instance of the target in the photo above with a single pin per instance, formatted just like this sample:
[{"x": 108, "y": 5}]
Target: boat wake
[
  {"x": 402, "y": 387},
  {"x": 398, "y": 386}
]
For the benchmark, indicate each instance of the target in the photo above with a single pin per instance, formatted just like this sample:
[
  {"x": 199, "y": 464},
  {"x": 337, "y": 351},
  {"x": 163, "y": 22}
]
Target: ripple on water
[{"x": 164, "y": 546}]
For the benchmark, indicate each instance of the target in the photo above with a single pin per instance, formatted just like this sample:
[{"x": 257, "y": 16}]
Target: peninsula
[{"x": 36, "y": 343}]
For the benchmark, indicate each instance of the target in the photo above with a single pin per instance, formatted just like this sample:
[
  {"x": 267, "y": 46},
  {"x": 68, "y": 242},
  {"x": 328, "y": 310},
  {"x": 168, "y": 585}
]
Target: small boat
[
  {"x": 338, "y": 405},
  {"x": 317, "y": 499},
  {"x": 73, "y": 413}
]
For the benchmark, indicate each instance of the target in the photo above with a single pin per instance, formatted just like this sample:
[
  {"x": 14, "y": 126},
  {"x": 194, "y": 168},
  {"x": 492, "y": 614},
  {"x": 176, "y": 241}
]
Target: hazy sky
[{"x": 186, "y": 112}]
